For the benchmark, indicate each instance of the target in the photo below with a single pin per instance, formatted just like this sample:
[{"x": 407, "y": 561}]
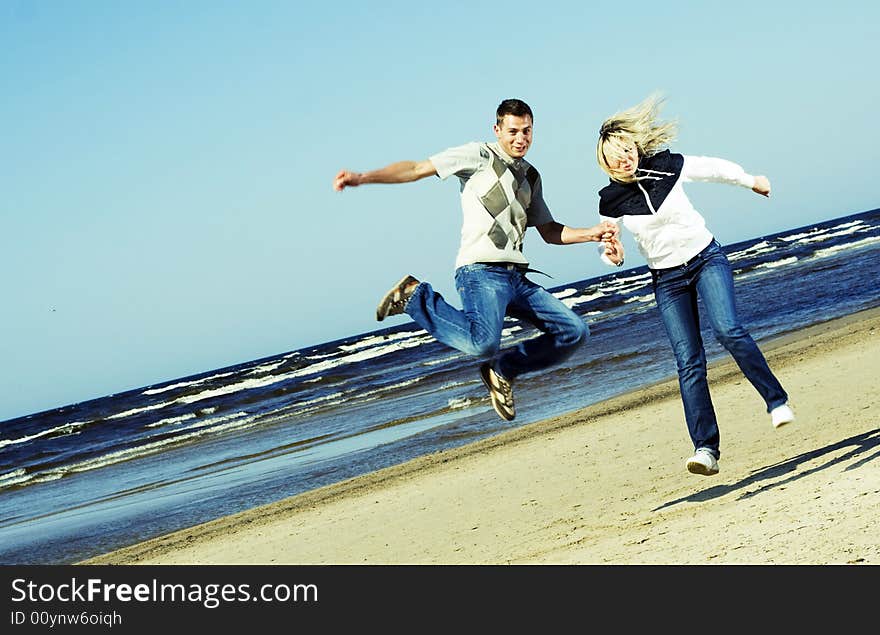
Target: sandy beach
[{"x": 607, "y": 484}]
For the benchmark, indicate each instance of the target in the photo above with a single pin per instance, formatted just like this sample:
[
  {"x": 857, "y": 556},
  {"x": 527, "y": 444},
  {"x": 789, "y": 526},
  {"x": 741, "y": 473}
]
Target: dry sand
[{"x": 607, "y": 484}]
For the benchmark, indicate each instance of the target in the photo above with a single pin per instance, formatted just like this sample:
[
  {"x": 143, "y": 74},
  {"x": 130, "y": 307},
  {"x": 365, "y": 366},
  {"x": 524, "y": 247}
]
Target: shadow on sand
[{"x": 866, "y": 443}]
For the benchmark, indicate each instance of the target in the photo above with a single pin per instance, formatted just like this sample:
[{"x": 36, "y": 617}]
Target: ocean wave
[
  {"x": 172, "y": 420},
  {"x": 389, "y": 388},
  {"x": 826, "y": 236},
  {"x": 13, "y": 478},
  {"x": 266, "y": 368},
  {"x": 324, "y": 356},
  {"x": 442, "y": 360},
  {"x": 373, "y": 340},
  {"x": 623, "y": 283},
  {"x": 136, "y": 411},
  {"x": 777, "y": 263},
  {"x": 510, "y": 331},
  {"x": 186, "y": 384},
  {"x": 762, "y": 247},
  {"x": 582, "y": 299},
  {"x": 411, "y": 341},
  {"x": 138, "y": 451},
  {"x": 817, "y": 231},
  {"x": 65, "y": 429},
  {"x": 640, "y": 298},
  {"x": 262, "y": 382},
  {"x": 564, "y": 293},
  {"x": 348, "y": 397},
  {"x": 830, "y": 251},
  {"x": 214, "y": 421},
  {"x": 460, "y": 403}
]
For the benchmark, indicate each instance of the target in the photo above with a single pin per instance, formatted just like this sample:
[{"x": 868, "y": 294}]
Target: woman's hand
[
  {"x": 614, "y": 250},
  {"x": 762, "y": 186}
]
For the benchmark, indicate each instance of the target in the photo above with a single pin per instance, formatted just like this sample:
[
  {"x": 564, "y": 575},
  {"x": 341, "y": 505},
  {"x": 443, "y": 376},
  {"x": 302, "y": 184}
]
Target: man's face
[{"x": 515, "y": 135}]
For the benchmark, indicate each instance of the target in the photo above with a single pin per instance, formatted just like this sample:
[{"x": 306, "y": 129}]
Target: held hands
[
  {"x": 346, "y": 179},
  {"x": 605, "y": 231},
  {"x": 762, "y": 186}
]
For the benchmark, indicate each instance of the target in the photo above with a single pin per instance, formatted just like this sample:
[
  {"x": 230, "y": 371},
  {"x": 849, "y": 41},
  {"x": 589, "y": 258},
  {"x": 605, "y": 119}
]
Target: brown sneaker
[
  {"x": 395, "y": 300},
  {"x": 500, "y": 392}
]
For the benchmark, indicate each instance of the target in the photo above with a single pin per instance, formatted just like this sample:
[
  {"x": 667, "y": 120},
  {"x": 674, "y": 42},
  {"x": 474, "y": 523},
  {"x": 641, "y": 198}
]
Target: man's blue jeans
[
  {"x": 488, "y": 292},
  {"x": 676, "y": 289}
]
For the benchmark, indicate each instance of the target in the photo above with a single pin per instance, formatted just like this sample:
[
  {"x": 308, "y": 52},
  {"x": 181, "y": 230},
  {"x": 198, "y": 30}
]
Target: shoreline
[{"x": 606, "y": 484}]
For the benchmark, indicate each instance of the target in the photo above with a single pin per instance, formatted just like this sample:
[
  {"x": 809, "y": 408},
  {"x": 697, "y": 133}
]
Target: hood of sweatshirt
[{"x": 655, "y": 178}]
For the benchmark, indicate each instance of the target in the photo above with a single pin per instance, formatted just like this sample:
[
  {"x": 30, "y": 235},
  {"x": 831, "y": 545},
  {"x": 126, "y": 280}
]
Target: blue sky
[{"x": 166, "y": 168}]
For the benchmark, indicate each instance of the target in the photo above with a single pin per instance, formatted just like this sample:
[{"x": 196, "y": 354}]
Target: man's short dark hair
[{"x": 515, "y": 107}]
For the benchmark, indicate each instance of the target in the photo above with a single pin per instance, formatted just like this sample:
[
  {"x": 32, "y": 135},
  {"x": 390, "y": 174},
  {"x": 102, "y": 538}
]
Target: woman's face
[{"x": 624, "y": 164}]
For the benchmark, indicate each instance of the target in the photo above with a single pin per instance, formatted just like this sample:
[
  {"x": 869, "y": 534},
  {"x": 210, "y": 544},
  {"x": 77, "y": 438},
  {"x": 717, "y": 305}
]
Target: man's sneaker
[
  {"x": 394, "y": 302},
  {"x": 500, "y": 392},
  {"x": 781, "y": 415},
  {"x": 703, "y": 462}
]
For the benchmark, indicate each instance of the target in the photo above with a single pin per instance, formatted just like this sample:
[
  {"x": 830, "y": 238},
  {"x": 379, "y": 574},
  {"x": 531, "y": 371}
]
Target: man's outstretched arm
[
  {"x": 558, "y": 234},
  {"x": 400, "y": 172}
]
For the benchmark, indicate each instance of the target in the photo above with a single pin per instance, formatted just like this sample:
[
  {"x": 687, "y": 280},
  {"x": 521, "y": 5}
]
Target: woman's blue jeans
[
  {"x": 488, "y": 293},
  {"x": 676, "y": 289}
]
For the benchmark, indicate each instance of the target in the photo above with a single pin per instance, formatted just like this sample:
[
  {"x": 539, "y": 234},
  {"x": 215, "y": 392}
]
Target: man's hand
[
  {"x": 346, "y": 179},
  {"x": 605, "y": 231},
  {"x": 762, "y": 186}
]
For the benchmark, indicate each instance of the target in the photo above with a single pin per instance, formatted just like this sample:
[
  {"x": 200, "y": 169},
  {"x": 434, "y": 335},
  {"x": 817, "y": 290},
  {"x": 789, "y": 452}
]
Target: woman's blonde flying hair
[{"x": 640, "y": 125}]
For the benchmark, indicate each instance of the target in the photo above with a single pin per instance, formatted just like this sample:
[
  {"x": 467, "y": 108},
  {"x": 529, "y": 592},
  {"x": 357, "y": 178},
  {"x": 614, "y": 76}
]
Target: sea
[{"x": 90, "y": 477}]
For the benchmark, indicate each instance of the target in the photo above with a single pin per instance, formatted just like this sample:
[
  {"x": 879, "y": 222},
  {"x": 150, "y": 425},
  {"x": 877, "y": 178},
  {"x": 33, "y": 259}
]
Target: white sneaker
[
  {"x": 703, "y": 462},
  {"x": 781, "y": 415}
]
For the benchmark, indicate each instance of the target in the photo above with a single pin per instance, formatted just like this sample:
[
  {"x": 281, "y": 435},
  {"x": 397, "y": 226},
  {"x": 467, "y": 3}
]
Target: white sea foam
[
  {"x": 829, "y": 251},
  {"x": 640, "y": 298},
  {"x": 821, "y": 232},
  {"x": 214, "y": 421},
  {"x": 460, "y": 403},
  {"x": 633, "y": 278},
  {"x": 262, "y": 382},
  {"x": 265, "y": 368},
  {"x": 455, "y": 384},
  {"x": 185, "y": 384},
  {"x": 136, "y": 411},
  {"x": 762, "y": 247},
  {"x": 338, "y": 396},
  {"x": 172, "y": 420},
  {"x": 826, "y": 236},
  {"x": 565, "y": 293},
  {"x": 13, "y": 478},
  {"x": 371, "y": 353},
  {"x": 390, "y": 388},
  {"x": 441, "y": 360},
  {"x": 348, "y": 397},
  {"x": 67, "y": 428},
  {"x": 623, "y": 285},
  {"x": 374, "y": 340},
  {"x": 325, "y": 356},
  {"x": 777, "y": 263},
  {"x": 233, "y": 422},
  {"x": 581, "y": 299},
  {"x": 156, "y": 446}
]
